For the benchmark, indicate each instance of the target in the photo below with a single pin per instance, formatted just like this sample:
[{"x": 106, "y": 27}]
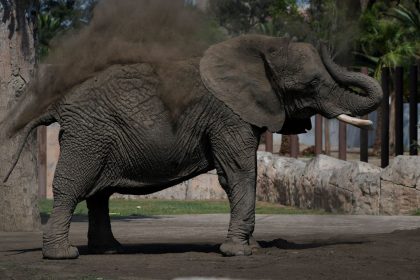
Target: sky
[{"x": 303, "y": 3}]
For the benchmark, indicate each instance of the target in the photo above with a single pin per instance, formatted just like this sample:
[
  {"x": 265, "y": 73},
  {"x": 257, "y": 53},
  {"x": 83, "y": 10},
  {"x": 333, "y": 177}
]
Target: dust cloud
[{"x": 120, "y": 32}]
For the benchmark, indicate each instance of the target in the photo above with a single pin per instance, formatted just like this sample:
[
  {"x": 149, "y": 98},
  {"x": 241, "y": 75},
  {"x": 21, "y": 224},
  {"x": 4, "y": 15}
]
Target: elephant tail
[{"x": 45, "y": 119}]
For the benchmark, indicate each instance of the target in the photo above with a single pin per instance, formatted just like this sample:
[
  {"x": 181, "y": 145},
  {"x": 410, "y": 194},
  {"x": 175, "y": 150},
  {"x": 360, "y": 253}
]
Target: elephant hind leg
[
  {"x": 100, "y": 237},
  {"x": 76, "y": 173}
]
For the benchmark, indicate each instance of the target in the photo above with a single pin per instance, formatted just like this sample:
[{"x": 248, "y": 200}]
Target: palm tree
[
  {"x": 389, "y": 38},
  {"x": 48, "y": 28}
]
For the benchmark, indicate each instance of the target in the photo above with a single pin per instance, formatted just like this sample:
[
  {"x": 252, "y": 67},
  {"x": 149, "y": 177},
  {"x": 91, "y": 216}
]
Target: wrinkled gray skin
[{"x": 120, "y": 131}]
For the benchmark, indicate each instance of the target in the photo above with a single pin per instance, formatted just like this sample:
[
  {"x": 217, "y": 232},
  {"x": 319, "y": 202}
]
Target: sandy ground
[{"x": 293, "y": 247}]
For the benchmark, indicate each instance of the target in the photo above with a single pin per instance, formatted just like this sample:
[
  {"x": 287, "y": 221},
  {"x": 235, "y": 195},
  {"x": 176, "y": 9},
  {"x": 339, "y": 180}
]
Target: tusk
[{"x": 364, "y": 124}]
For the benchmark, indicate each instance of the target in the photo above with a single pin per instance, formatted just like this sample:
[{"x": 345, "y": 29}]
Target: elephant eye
[{"x": 314, "y": 82}]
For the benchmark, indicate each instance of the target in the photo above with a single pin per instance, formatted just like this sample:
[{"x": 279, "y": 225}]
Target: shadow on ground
[
  {"x": 286, "y": 245},
  {"x": 179, "y": 248},
  {"x": 85, "y": 218}
]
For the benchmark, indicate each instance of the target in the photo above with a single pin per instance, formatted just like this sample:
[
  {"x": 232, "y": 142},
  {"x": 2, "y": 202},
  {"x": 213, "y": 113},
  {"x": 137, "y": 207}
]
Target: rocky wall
[
  {"x": 341, "y": 186},
  {"x": 323, "y": 182}
]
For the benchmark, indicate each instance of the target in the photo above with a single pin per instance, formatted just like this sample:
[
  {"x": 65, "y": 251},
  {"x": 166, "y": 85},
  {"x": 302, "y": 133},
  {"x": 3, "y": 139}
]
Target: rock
[
  {"x": 202, "y": 187},
  {"x": 289, "y": 174},
  {"x": 177, "y": 192},
  {"x": 324, "y": 173},
  {"x": 323, "y": 183},
  {"x": 320, "y": 183},
  {"x": 403, "y": 170},
  {"x": 366, "y": 182},
  {"x": 398, "y": 199},
  {"x": 400, "y": 186},
  {"x": 362, "y": 182},
  {"x": 276, "y": 177},
  {"x": 205, "y": 187}
]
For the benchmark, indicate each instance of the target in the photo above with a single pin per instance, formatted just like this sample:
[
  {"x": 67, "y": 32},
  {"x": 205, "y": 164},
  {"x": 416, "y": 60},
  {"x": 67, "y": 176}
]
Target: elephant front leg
[
  {"x": 241, "y": 194},
  {"x": 100, "y": 237},
  {"x": 234, "y": 149}
]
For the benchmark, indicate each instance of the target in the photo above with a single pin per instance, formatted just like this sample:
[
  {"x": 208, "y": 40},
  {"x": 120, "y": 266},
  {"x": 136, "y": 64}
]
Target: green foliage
[
  {"x": 281, "y": 7},
  {"x": 58, "y": 16},
  {"x": 390, "y": 36},
  {"x": 385, "y": 35},
  {"x": 48, "y": 28},
  {"x": 150, "y": 207},
  {"x": 322, "y": 21},
  {"x": 285, "y": 20},
  {"x": 416, "y": 145},
  {"x": 333, "y": 24},
  {"x": 240, "y": 16}
]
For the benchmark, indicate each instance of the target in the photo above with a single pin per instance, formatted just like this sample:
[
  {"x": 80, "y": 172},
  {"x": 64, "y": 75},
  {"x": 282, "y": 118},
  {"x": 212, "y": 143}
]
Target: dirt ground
[{"x": 293, "y": 247}]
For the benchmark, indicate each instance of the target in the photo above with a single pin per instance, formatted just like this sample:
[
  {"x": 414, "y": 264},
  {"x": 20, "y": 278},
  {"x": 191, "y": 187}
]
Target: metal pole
[
  {"x": 413, "y": 110},
  {"x": 327, "y": 144},
  {"x": 364, "y": 137},
  {"x": 318, "y": 134},
  {"x": 399, "y": 111},
  {"x": 364, "y": 140},
  {"x": 42, "y": 161},
  {"x": 294, "y": 146},
  {"x": 385, "y": 120},
  {"x": 342, "y": 141},
  {"x": 269, "y": 142}
]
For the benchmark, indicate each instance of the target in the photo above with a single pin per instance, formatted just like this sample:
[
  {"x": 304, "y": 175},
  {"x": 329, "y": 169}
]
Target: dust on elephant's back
[
  {"x": 131, "y": 92},
  {"x": 148, "y": 95}
]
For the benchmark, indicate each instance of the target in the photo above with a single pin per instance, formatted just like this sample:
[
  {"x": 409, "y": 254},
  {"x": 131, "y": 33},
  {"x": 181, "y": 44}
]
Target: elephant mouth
[{"x": 361, "y": 123}]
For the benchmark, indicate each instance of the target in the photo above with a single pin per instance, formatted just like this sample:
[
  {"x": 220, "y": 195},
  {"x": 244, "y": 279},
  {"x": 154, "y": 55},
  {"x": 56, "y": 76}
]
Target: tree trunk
[
  {"x": 392, "y": 122},
  {"x": 378, "y": 133},
  {"x": 18, "y": 197},
  {"x": 327, "y": 137},
  {"x": 285, "y": 145}
]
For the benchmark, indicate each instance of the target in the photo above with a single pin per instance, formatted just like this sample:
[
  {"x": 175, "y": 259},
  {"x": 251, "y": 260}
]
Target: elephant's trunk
[{"x": 358, "y": 104}]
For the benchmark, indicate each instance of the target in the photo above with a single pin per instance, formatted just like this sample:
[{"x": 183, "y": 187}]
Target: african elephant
[{"x": 141, "y": 128}]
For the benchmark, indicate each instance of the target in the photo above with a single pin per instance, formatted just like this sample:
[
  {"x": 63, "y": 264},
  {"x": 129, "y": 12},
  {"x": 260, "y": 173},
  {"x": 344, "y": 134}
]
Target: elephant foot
[
  {"x": 110, "y": 247},
  {"x": 254, "y": 244},
  {"x": 60, "y": 253},
  {"x": 232, "y": 247}
]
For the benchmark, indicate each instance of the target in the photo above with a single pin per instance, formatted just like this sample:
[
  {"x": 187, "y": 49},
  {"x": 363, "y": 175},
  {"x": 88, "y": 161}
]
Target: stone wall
[
  {"x": 341, "y": 186},
  {"x": 202, "y": 187},
  {"x": 400, "y": 186},
  {"x": 320, "y": 183}
]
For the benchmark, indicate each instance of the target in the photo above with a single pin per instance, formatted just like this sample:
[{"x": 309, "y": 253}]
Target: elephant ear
[{"x": 238, "y": 73}]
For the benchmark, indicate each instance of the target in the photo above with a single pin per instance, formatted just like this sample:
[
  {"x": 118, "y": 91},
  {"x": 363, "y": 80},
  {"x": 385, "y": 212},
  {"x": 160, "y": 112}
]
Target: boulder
[
  {"x": 400, "y": 186},
  {"x": 322, "y": 173},
  {"x": 403, "y": 170},
  {"x": 398, "y": 200},
  {"x": 366, "y": 182},
  {"x": 277, "y": 178},
  {"x": 205, "y": 187},
  {"x": 323, "y": 183}
]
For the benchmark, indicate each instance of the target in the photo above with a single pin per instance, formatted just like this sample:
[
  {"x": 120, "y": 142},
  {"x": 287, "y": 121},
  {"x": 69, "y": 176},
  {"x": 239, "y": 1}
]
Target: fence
[{"x": 385, "y": 126}]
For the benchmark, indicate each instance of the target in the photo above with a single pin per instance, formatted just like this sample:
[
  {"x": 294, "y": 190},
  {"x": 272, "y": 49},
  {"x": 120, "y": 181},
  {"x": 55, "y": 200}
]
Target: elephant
[{"x": 140, "y": 128}]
